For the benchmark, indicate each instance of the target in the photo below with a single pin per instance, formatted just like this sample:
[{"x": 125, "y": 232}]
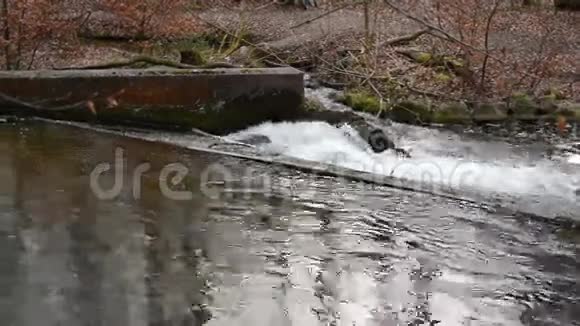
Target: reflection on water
[{"x": 327, "y": 253}]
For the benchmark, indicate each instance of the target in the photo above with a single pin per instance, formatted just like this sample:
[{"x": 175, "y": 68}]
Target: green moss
[
  {"x": 455, "y": 112},
  {"x": 521, "y": 99},
  {"x": 360, "y": 100},
  {"x": 453, "y": 62},
  {"x": 523, "y": 107},
  {"x": 423, "y": 57},
  {"x": 443, "y": 77}
]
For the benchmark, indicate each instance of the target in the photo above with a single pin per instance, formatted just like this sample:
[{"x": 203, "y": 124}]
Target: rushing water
[
  {"x": 493, "y": 168},
  {"x": 298, "y": 249}
]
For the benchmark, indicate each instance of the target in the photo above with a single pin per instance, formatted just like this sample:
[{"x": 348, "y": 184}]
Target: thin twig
[
  {"x": 369, "y": 77},
  {"x": 405, "y": 39}
]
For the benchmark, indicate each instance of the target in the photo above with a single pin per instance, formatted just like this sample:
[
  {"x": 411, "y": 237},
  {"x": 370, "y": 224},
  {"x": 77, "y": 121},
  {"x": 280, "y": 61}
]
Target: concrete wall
[{"x": 214, "y": 100}]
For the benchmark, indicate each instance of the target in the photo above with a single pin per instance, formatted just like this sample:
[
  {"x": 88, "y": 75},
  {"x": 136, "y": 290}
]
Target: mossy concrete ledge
[{"x": 214, "y": 100}]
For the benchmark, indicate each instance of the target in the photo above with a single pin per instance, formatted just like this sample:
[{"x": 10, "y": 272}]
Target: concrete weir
[{"x": 214, "y": 100}]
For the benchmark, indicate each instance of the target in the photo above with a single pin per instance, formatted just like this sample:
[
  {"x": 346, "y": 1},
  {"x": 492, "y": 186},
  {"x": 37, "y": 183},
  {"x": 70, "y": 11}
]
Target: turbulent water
[{"x": 439, "y": 158}]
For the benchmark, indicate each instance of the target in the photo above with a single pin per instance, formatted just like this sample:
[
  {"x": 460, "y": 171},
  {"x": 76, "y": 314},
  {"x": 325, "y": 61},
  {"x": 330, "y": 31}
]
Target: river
[{"x": 248, "y": 243}]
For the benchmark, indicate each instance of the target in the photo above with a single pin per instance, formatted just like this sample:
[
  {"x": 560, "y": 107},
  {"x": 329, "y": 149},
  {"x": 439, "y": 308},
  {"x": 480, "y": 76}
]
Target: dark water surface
[{"x": 313, "y": 251}]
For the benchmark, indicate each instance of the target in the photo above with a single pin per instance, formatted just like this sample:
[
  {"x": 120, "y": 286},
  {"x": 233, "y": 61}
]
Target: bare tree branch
[
  {"x": 405, "y": 39},
  {"x": 487, "y": 30},
  {"x": 447, "y": 36}
]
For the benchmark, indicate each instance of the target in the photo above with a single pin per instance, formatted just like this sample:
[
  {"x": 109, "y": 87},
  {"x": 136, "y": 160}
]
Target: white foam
[
  {"x": 574, "y": 159},
  {"x": 321, "y": 142}
]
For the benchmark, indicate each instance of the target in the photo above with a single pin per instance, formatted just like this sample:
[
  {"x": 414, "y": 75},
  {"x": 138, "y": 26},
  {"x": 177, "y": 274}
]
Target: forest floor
[{"x": 533, "y": 51}]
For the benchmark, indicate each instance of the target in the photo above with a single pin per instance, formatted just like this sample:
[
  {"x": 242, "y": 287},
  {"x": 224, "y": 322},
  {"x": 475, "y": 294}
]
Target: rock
[
  {"x": 454, "y": 112},
  {"x": 547, "y": 105},
  {"x": 411, "y": 112},
  {"x": 378, "y": 141},
  {"x": 490, "y": 112},
  {"x": 374, "y": 137}
]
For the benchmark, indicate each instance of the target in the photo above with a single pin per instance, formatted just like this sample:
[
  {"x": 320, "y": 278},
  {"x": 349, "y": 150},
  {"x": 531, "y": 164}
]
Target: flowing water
[
  {"x": 247, "y": 243},
  {"x": 440, "y": 158}
]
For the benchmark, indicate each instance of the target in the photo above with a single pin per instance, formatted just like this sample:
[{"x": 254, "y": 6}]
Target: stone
[
  {"x": 490, "y": 112},
  {"x": 378, "y": 141},
  {"x": 411, "y": 112},
  {"x": 452, "y": 112}
]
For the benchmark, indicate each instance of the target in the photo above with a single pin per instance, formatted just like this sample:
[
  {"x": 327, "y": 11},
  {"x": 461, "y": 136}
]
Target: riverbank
[{"x": 387, "y": 61}]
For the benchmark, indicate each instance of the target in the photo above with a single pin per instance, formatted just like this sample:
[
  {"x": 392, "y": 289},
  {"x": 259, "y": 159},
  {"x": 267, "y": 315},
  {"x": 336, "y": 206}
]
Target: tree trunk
[{"x": 6, "y": 35}]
